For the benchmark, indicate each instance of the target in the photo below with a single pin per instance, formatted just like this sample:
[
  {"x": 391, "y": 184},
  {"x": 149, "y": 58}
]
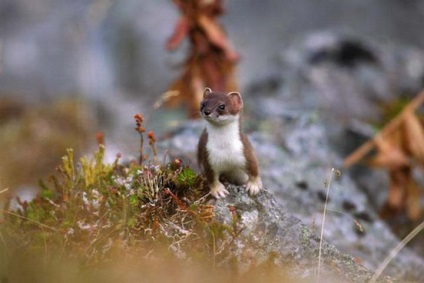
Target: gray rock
[
  {"x": 343, "y": 75},
  {"x": 295, "y": 170},
  {"x": 267, "y": 231},
  {"x": 298, "y": 183}
]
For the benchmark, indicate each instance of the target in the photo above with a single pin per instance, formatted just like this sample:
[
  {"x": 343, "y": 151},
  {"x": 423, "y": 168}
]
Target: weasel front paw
[
  {"x": 254, "y": 185},
  {"x": 218, "y": 190}
]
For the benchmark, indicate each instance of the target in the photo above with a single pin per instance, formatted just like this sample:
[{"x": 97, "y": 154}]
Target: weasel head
[{"x": 219, "y": 108}]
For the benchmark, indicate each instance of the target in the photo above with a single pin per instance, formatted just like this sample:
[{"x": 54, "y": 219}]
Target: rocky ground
[
  {"x": 268, "y": 233},
  {"x": 304, "y": 118}
]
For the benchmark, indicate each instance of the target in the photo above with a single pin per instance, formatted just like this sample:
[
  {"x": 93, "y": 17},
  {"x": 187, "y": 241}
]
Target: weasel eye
[
  {"x": 222, "y": 107},
  {"x": 202, "y": 105}
]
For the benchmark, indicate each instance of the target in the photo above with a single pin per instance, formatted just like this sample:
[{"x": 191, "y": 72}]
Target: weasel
[{"x": 223, "y": 150}]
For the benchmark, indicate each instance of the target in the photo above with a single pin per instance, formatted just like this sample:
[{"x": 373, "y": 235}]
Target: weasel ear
[
  {"x": 206, "y": 92},
  {"x": 236, "y": 99}
]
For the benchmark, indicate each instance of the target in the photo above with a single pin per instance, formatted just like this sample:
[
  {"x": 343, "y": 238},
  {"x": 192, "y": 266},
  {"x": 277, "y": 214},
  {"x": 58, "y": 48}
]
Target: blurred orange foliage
[
  {"x": 211, "y": 59},
  {"x": 400, "y": 150}
]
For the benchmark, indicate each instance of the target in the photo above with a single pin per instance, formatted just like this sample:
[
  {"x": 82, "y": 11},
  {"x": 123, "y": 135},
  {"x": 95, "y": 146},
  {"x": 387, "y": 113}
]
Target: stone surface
[
  {"x": 269, "y": 232},
  {"x": 295, "y": 170},
  {"x": 344, "y": 75}
]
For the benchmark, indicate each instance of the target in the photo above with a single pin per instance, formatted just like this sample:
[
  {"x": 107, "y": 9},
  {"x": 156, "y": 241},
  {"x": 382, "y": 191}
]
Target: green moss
[
  {"x": 305, "y": 236},
  {"x": 187, "y": 177},
  {"x": 35, "y": 213},
  {"x": 134, "y": 200},
  {"x": 45, "y": 192}
]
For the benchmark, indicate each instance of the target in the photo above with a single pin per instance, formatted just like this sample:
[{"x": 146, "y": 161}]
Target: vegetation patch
[{"x": 90, "y": 214}]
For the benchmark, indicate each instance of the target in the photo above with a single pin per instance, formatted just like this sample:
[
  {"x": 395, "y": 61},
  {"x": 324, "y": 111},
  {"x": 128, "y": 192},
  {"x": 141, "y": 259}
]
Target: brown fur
[
  {"x": 233, "y": 106},
  {"x": 212, "y": 100},
  {"x": 203, "y": 157},
  {"x": 252, "y": 166}
]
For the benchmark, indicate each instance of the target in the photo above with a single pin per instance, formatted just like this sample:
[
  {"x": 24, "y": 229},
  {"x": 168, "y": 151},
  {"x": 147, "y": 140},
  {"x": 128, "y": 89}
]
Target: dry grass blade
[
  {"x": 400, "y": 146},
  {"x": 165, "y": 97},
  {"x": 395, "y": 251},
  {"x": 414, "y": 135},
  {"x": 358, "y": 154},
  {"x": 28, "y": 219},
  {"x": 394, "y": 124},
  {"x": 321, "y": 238},
  {"x": 389, "y": 154},
  {"x": 180, "y": 31}
]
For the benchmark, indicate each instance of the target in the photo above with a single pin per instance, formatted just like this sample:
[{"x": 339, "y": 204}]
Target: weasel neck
[{"x": 226, "y": 131}]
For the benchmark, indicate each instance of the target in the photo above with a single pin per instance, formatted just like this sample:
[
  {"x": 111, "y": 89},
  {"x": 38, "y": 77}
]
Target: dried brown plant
[
  {"x": 400, "y": 150},
  {"x": 140, "y": 129},
  {"x": 211, "y": 58}
]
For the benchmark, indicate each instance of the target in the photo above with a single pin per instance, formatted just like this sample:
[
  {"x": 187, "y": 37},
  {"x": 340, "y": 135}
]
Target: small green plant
[
  {"x": 187, "y": 177},
  {"x": 90, "y": 209}
]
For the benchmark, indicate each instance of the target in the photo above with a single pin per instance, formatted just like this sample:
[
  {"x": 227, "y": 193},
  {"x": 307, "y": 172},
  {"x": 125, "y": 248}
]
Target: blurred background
[{"x": 71, "y": 69}]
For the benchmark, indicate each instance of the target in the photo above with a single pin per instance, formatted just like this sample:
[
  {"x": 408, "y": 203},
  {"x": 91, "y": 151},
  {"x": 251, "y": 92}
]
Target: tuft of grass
[
  {"x": 95, "y": 221},
  {"x": 89, "y": 209}
]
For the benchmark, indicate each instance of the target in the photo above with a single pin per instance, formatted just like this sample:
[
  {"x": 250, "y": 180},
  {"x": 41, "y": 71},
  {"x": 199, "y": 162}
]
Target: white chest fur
[{"x": 225, "y": 147}]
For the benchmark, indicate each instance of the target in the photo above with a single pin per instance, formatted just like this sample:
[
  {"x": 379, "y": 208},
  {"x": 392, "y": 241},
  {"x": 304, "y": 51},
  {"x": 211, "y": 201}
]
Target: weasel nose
[{"x": 207, "y": 112}]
